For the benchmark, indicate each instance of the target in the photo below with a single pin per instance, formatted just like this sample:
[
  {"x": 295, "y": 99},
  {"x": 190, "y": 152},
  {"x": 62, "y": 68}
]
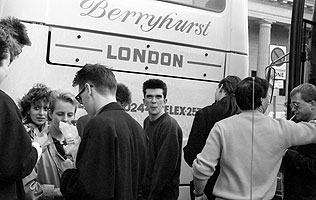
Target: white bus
[{"x": 189, "y": 44}]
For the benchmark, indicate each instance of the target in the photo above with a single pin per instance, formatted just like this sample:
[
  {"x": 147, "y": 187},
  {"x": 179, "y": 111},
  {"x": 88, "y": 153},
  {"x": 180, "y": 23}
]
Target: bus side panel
[
  {"x": 239, "y": 27},
  {"x": 31, "y": 67},
  {"x": 237, "y": 65},
  {"x": 137, "y": 46}
]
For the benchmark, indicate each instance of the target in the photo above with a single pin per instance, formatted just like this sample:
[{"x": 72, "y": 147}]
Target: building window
[{"x": 212, "y": 5}]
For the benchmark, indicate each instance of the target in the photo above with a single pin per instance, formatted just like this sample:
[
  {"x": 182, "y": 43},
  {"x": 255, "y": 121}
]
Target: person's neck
[
  {"x": 57, "y": 134},
  {"x": 260, "y": 109},
  {"x": 103, "y": 101},
  {"x": 221, "y": 95},
  {"x": 155, "y": 117},
  {"x": 312, "y": 117}
]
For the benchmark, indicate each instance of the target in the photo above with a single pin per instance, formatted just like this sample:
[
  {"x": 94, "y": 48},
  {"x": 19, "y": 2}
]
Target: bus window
[{"x": 212, "y": 5}]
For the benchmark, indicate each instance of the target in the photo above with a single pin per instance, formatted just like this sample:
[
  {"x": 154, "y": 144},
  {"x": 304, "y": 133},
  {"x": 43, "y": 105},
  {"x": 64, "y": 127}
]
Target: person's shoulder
[
  {"x": 170, "y": 122},
  {"x": 231, "y": 119},
  {"x": 207, "y": 110},
  {"x": 8, "y": 106},
  {"x": 4, "y": 98},
  {"x": 84, "y": 118}
]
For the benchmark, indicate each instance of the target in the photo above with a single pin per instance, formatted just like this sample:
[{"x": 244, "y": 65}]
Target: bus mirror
[{"x": 270, "y": 77}]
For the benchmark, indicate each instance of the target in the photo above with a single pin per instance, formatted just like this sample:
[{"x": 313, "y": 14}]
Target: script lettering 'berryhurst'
[{"x": 145, "y": 21}]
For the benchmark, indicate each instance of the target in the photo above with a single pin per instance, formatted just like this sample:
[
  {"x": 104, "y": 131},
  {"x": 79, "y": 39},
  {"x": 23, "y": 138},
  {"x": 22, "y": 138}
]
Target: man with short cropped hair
[
  {"x": 165, "y": 144},
  {"x": 112, "y": 156}
]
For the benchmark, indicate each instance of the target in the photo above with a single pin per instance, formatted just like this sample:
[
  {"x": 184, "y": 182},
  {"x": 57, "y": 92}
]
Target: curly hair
[{"x": 37, "y": 94}]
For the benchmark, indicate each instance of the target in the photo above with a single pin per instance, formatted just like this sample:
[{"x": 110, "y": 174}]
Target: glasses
[
  {"x": 297, "y": 105},
  {"x": 78, "y": 97}
]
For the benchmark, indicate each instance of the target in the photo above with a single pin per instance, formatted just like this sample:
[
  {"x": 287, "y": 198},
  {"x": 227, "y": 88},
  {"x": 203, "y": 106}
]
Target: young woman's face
[
  {"x": 64, "y": 111},
  {"x": 38, "y": 113},
  {"x": 4, "y": 68}
]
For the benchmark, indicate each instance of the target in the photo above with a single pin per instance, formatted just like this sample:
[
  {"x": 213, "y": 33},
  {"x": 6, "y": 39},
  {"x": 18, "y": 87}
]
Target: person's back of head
[
  {"x": 100, "y": 76},
  {"x": 8, "y": 45},
  {"x": 229, "y": 84},
  {"x": 250, "y": 92},
  {"x": 123, "y": 94},
  {"x": 16, "y": 35},
  {"x": 4, "y": 45},
  {"x": 226, "y": 88},
  {"x": 155, "y": 84},
  {"x": 18, "y": 30}
]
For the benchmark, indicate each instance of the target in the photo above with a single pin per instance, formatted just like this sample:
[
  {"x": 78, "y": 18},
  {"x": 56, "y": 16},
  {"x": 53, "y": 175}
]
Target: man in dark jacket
[
  {"x": 17, "y": 156},
  {"x": 204, "y": 121},
  {"x": 112, "y": 156},
  {"x": 299, "y": 162}
]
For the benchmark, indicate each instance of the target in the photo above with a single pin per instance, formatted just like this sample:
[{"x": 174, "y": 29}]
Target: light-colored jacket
[
  {"x": 249, "y": 147},
  {"x": 45, "y": 177}
]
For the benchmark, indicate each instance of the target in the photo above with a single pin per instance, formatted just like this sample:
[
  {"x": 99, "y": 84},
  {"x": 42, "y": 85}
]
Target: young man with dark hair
[
  {"x": 249, "y": 147},
  {"x": 165, "y": 143},
  {"x": 123, "y": 97},
  {"x": 112, "y": 156}
]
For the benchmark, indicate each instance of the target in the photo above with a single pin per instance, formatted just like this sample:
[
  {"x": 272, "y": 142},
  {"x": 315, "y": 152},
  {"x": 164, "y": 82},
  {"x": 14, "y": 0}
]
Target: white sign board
[{"x": 276, "y": 52}]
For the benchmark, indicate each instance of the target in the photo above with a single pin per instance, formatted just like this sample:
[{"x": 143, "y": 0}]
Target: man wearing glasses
[
  {"x": 112, "y": 156},
  {"x": 300, "y": 161}
]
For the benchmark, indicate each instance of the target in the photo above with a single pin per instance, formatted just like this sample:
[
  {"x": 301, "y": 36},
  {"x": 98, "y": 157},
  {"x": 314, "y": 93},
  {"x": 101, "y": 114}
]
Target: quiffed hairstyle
[
  {"x": 307, "y": 91},
  {"x": 100, "y": 76},
  {"x": 37, "y": 94},
  {"x": 155, "y": 84},
  {"x": 123, "y": 94},
  {"x": 14, "y": 34},
  {"x": 250, "y": 91}
]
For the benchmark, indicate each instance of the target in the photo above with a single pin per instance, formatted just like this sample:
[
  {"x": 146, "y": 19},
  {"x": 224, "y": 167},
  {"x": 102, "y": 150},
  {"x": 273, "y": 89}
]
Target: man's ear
[
  {"x": 165, "y": 101},
  {"x": 88, "y": 88}
]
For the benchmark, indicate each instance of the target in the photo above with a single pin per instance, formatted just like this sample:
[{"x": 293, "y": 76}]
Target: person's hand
[
  {"x": 69, "y": 132},
  {"x": 42, "y": 140},
  {"x": 70, "y": 140},
  {"x": 203, "y": 197},
  {"x": 57, "y": 192}
]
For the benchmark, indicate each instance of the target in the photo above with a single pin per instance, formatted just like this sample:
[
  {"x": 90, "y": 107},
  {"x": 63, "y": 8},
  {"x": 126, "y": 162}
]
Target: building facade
[{"x": 269, "y": 23}]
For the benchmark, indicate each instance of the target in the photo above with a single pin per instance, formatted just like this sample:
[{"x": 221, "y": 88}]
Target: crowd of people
[{"x": 234, "y": 149}]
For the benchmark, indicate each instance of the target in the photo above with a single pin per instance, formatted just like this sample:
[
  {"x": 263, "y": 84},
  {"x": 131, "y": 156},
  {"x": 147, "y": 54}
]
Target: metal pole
[{"x": 295, "y": 49}]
